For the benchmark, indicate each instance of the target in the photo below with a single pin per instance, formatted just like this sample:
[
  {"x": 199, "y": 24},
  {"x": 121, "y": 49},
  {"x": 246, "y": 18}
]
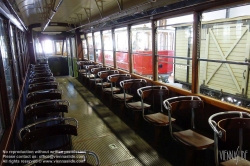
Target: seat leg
[
  {"x": 122, "y": 112},
  {"x": 189, "y": 160},
  {"x": 157, "y": 136},
  {"x": 137, "y": 119}
]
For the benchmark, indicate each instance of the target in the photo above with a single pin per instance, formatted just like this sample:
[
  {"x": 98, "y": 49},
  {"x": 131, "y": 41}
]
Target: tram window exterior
[
  {"x": 142, "y": 49},
  {"x": 225, "y": 38},
  {"x": 90, "y": 46},
  {"x": 108, "y": 47},
  {"x": 174, "y": 39},
  {"x": 98, "y": 47},
  {"x": 84, "y": 48},
  {"x": 6, "y": 65},
  {"x": 121, "y": 42}
]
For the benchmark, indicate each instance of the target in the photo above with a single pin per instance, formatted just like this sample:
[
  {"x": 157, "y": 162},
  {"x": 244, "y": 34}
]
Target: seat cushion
[
  {"x": 158, "y": 119},
  {"x": 120, "y": 96},
  {"x": 236, "y": 161},
  {"x": 104, "y": 84},
  {"x": 109, "y": 90},
  {"x": 192, "y": 138},
  {"x": 137, "y": 106}
]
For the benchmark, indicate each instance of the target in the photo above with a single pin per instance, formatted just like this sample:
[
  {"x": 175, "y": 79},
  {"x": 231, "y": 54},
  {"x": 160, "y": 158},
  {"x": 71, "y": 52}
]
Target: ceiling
[{"x": 79, "y": 13}]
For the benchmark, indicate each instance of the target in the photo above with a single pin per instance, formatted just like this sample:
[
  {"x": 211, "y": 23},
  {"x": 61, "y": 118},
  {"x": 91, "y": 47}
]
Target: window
[
  {"x": 98, "y": 47},
  {"x": 142, "y": 49},
  {"x": 121, "y": 46},
  {"x": 224, "y": 49},
  {"x": 48, "y": 47},
  {"x": 58, "y": 47},
  {"x": 174, "y": 50},
  {"x": 19, "y": 53},
  {"x": 84, "y": 48},
  {"x": 15, "y": 57},
  {"x": 1, "y": 120},
  {"x": 108, "y": 48},
  {"x": 90, "y": 46},
  {"x": 6, "y": 56},
  {"x": 73, "y": 46}
]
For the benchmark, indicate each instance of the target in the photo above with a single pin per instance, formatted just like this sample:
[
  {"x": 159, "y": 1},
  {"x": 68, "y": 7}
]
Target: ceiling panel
[{"x": 80, "y": 12}]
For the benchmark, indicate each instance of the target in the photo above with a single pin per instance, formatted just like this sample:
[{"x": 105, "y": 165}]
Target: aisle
[{"x": 101, "y": 131}]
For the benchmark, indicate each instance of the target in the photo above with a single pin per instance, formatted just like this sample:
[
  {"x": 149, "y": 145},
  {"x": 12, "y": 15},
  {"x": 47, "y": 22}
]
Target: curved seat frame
[
  {"x": 46, "y": 94},
  {"x": 103, "y": 76},
  {"x": 43, "y": 85},
  {"x": 127, "y": 94},
  {"x": 41, "y": 79},
  {"x": 45, "y": 107},
  {"x": 239, "y": 121},
  {"x": 158, "y": 118},
  {"x": 46, "y": 129}
]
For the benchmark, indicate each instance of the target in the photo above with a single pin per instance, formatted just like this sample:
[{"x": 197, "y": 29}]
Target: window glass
[
  {"x": 65, "y": 53},
  {"x": 142, "y": 49},
  {"x": 19, "y": 50},
  {"x": 90, "y": 46},
  {"x": 121, "y": 46},
  {"x": 1, "y": 119},
  {"x": 68, "y": 47},
  {"x": 84, "y": 47},
  {"x": 174, "y": 50},
  {"x": 48, "y": 47},
  {"x": 6, "y": 56},
  {"x": 58, "y": 47},
  {"x": 73, "y": 46},
  {"x": 98, "y": 47},
  {"x": 15, "y": 56},
  {"x": 108, "y": 48},
  {"x": 224, "y": 49}
]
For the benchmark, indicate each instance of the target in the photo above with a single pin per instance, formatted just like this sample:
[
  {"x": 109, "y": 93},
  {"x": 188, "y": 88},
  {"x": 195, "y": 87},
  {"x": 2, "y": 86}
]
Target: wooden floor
[{"x": 111, "y": 137}]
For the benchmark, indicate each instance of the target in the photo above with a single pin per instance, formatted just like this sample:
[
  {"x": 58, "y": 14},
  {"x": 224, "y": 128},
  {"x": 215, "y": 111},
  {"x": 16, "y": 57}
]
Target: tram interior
[{"x": 122, "y": 82}]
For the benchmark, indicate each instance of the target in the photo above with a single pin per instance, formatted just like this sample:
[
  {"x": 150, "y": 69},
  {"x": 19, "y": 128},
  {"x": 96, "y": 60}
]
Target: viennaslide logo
[{"x": 236, "y": 155}]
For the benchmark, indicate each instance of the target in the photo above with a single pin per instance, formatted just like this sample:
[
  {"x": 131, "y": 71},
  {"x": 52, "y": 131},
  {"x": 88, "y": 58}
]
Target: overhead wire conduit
[{"x": 52, "y": 13}]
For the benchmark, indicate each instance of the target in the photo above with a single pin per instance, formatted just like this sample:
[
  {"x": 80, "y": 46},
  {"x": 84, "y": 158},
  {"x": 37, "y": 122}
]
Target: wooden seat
[
  {"x": 103, "y": 75},
  {"x": 131, "y": 98},
  {"x": 153, "y": 96},
  {"x": 188, "y": 138},
  {"x": 228, "y": 126},
  {"x": 82, "y": 71},
  {"x": 115, "y": 80},
  {"x": 88, "y": 74},
  {"x": 96, "y": 79}
]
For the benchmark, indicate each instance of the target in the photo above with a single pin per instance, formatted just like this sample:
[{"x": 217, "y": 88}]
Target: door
[{"x": 227, "y": 42}]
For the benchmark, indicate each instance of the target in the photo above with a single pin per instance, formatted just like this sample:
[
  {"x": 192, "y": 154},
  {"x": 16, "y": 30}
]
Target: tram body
[{"x": 142, "y": 62}]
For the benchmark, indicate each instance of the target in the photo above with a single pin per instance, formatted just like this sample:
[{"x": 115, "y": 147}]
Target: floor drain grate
[{"x": 113, "y": 146}]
